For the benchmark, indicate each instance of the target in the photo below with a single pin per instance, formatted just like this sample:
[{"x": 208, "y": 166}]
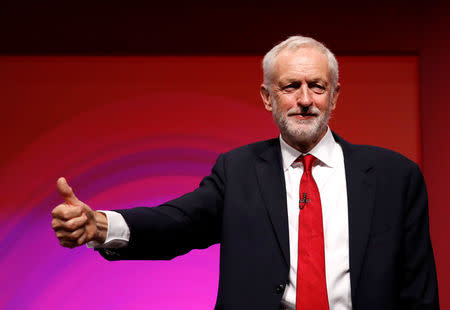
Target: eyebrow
[{"x": 314, "y": 80}]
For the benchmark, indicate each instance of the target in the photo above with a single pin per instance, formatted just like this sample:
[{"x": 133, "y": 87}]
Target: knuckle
[
  {"x": 83, "y": 219},
  {"x": 79, "y": 210},
  {"x": 60, "y": 235},
  {"x": 70, "y": 226},
  {"x": 54, "y": 224},
  {"x": 56, "y": 212},
  {"x": 76, "y": 234},
  {"x": 65, "y": 213}
]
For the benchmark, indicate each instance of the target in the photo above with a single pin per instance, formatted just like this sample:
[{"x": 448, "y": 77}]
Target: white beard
[{"x": 301, "y": 131}]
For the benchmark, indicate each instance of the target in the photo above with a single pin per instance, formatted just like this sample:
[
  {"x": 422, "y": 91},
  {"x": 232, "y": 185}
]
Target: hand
[{"x": 74, "y": 222}]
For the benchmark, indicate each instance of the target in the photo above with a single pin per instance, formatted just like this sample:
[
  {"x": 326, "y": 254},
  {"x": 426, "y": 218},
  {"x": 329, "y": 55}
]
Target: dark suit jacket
[{"x": 242, "y": 206}]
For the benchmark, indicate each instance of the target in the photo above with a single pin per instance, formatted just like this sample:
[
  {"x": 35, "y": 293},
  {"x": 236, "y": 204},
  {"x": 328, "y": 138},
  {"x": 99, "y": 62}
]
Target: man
[{"x": 305, "y": 221}]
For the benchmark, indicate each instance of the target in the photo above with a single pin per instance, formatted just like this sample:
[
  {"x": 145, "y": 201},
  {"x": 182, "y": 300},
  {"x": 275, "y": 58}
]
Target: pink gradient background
[{"x": 132, "y": 131}]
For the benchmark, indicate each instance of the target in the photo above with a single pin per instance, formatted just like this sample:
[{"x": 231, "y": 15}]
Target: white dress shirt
[{"x": 329, "y": 174}]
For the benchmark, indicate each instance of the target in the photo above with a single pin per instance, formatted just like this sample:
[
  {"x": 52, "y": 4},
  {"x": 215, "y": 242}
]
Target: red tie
[{"x": 311, "y": 283}]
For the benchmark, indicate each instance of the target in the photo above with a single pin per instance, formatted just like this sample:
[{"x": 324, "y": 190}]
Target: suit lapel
[
  {"x": 360, "y": 178},
  {"x": 271, "y": 182}
]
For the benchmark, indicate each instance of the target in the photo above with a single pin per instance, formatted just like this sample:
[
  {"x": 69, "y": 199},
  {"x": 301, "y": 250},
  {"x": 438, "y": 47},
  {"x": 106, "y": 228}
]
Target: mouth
[{"x": 303, "y": 116}]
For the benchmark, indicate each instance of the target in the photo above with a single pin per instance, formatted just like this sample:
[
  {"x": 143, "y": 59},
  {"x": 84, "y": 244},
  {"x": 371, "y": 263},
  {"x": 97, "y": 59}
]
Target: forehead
[{"x": 304, "y": 62}]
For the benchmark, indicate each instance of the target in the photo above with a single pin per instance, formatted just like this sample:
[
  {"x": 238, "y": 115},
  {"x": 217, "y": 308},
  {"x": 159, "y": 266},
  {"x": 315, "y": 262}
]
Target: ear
[
  {"x": 335, "y": 96},
  {"x": 265, "y": 95}
]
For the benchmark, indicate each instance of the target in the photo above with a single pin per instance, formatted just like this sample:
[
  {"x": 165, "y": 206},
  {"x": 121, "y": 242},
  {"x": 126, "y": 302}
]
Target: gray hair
[{"x": 294, "y": 43}]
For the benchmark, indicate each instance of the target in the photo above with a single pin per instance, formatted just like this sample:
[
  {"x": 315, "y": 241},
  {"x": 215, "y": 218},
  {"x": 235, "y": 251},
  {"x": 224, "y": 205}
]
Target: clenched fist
[{"x": 74, "y": 222}]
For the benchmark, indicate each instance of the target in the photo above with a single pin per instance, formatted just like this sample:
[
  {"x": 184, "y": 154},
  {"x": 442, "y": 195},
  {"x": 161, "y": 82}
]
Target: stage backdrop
[{"x": 138, "y": 131}]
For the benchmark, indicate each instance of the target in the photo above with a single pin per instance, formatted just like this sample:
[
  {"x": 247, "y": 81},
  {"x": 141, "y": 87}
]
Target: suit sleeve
[
  {"x": 192, "y": 221},
  {"x": 419, "y": 283}
]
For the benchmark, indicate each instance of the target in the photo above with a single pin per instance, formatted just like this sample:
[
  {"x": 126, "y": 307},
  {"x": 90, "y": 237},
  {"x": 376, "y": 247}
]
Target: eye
[
  {"x": 291, "y": 86},
  {"x": 317, "y": 88}
]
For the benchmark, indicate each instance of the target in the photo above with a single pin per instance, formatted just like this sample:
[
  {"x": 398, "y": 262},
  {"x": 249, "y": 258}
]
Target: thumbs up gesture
[{"x": 74, "y": 222}]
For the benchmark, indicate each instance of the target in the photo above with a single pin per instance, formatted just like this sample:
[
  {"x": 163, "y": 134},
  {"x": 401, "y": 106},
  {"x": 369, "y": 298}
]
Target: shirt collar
[{"x": 323, "y": 151}]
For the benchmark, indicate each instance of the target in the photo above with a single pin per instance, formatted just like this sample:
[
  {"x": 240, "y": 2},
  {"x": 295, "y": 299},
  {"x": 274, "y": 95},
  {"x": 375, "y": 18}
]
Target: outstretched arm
[{"x": 192, "y": 221}]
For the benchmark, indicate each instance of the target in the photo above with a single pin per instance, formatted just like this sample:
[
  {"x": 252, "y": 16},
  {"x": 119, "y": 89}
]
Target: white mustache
[{"x": 311, "y": 111}]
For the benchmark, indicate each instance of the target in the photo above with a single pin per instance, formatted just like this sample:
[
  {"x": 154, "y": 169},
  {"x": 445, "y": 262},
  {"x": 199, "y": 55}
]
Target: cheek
[
  {"x": 323, "y": 103},
  {"x": 286, "y": 102}
]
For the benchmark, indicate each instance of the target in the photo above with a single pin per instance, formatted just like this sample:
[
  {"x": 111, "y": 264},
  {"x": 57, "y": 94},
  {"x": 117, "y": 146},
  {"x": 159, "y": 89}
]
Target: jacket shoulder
[
  {"x": 385, "y": 156},
  {"x": 375, "y": 155}
]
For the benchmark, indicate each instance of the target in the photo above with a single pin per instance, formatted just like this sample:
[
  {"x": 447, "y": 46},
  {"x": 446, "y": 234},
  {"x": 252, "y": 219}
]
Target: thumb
[{"x": 66, "y": 192}]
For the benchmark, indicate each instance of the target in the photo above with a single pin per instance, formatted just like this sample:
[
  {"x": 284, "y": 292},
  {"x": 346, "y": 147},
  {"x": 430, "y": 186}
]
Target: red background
[
  {"x": 129, "y": 131},
  {"x": 379, "y": 28}
]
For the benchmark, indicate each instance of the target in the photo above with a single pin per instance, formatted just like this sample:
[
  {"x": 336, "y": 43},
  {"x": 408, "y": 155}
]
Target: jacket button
[{"x": 280, "y": 288}]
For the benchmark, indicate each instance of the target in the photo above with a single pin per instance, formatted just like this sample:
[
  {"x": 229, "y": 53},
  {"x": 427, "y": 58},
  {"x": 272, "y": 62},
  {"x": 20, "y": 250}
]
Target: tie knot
[{"x": 307, "y": 161}]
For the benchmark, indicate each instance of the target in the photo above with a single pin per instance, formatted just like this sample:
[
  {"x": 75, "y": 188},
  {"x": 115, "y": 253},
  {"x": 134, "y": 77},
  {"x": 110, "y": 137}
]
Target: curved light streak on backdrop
[{"x": 128, "y": 146}]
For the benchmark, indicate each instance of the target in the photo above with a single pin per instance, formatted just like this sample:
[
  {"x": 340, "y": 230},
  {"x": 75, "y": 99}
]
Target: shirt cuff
[{"x": 118, "y": 233}]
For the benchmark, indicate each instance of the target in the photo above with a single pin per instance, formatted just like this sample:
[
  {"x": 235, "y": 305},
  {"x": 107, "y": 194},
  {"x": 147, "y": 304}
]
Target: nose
[{"x": 304, "y": 98}]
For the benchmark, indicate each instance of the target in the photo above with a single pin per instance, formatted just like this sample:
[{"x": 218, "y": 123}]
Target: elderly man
[{"x": 299, "y": 218}]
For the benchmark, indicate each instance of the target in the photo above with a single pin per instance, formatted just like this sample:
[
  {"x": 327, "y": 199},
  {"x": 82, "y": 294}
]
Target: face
[{"x": 300, "y": 96}]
